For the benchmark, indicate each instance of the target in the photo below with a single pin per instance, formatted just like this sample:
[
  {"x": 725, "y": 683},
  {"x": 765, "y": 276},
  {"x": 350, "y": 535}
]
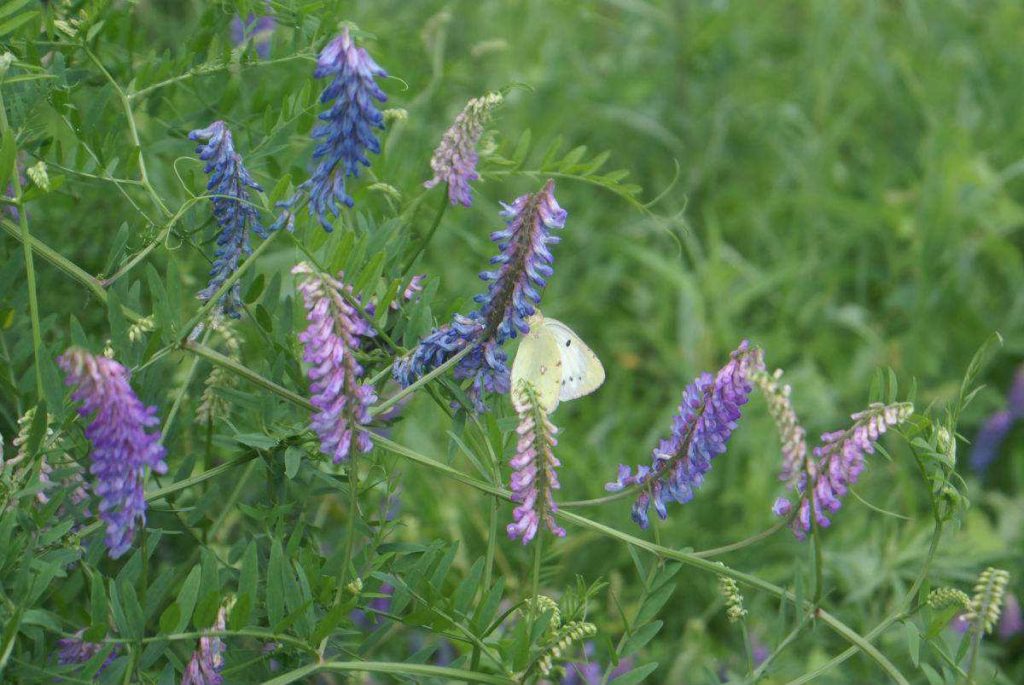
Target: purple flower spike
[
  {"x": 330, "y": 343},
  {"x": 989, "y": 441},
  {"x": 708, "y": 414},
  {"x": 589, "y": 672},
  {"x": 257, "y": 29},
  {"x": 837, "y": 463},
  {"x": 75, "y": 650},
  {"x": 523, "y": 267},
  {"x": 229, "y": 183},
  {"x": 207, "y": 662},
  {"x": 454, "y": 160},
  {"x": 1011, "y": 622},
  {"x": 122, "y": 448},
  {"x": 534, "y": 465},
  {"x": 348, "y": 129}
]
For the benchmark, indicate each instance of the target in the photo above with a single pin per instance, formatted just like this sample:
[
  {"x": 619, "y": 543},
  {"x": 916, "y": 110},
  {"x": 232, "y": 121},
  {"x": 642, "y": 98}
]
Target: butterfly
[{"x": 559, "y": 365}]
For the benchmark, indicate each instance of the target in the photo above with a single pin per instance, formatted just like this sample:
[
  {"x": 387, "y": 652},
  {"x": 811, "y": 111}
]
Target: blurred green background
[{"x": 840, "y": 182}]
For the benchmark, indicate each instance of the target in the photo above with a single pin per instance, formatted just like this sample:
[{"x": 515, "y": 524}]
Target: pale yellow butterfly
[{"x": 558, "y": 364}]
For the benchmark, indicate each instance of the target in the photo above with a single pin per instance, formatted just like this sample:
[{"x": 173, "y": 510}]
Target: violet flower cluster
[
  {"x": 454, "y": 161},
  {"x": 75, "y": 650},
  {"x": 589, "y": 672},
  {"x": 534, "y": 468},
  {"x": 229, "y": 184},
  {"x": 837, "y": 463},
  {"x": 990, "y": 439},
  {"x": 708, "y": 414},
  {"x": 204, "y": 668},
  {"x": 523, "y": 266},
  {"x": 258, "y": 29},
  {"x": 122, "y": 447},
  {"x": 348, "y": 129},
  {"x": 330, "y": 341}
]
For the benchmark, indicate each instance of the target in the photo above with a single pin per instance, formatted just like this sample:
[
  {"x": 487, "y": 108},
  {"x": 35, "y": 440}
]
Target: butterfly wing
[
  {"x": 538, "y": 361},
  {"x": 582, "y": 372}
]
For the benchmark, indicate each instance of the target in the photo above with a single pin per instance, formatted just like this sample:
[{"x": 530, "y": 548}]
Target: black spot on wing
[{"x": 568, "y": 342}]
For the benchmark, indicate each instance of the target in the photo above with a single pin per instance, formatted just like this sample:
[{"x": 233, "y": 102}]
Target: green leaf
[
  {"x": 913, "y": 642},
  {"x": 12, "y": 6},
  {"x": 637, "y": 675},
  {"x": 170, "y": 618},
  {"x": 275, "y": 585},
  {"x": 187, "y": 597},
  {"x": 292, "y": 461},
  {"x": 8, "y": 151},
  {"x": 641, "y": 637},
  {"x": 15, "y": 22},
  {"x": 466, "y": 590},
  {"x": 97, "y": 606}
]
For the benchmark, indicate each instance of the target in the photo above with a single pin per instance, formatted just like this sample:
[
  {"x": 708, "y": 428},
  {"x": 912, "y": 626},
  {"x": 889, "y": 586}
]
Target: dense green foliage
[{"x": 839, "y": 182}]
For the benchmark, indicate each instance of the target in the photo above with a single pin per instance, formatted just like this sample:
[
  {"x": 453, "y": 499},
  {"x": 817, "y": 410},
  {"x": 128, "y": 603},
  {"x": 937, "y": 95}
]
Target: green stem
[
  {"x": 446, "y": 674},
  {"x": 717, "y": 568},
  {"x": 538, "y": 555},
  {"x": 212, "y": 68},
  {"x": 26, "y": 242},
  {"x": 430, "y": 232},
  {"x": 225, "y": 286},
  {"x": 239, "y": 369},
  {"x": 421, "y": 381},
  {"x": 759, "y": 671},
  {"x": 133, "y": 132},
  {"x": 183, "y": 485}
]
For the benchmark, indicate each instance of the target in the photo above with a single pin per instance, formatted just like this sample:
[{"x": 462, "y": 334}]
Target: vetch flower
[
  {"x": 208, "y": 660},
  {"x": 523, "y": 266},
  {"x": 229, "y": 185},
  {"x": 258, "y": 29},
  {"x": 534, "y": 465},
  {"x": 987, "y": 602},
  {"x": 75, "y": 650},
  {"x": 330, "y": 342},
  {"x": 791, "y": 433},
  {"x": 454, "y": 161},
  {"x": 122, "y": 447},
  {"x": 589, "y": 672},
  {"x": 837, "y": 463},
  {"x": 990, "y": 438},
  {"x": 1012, "y": 621},
  {"x": 708, "y": 414},
  {"x": 348, "y": 129}
]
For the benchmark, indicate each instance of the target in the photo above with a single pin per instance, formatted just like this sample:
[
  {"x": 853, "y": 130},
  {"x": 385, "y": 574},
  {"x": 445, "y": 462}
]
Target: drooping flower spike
[
  {"x": 229, "y": 185},
  {"x": 258, "y": 29},
  {"x": 989, "y": 441},
  {"x": 454, "y": 161},
  {"x": 207, "y": 662},
  {"x": 836, "y": 465},
  {"x": 780, "y": 406},
  {"x": 523, "y": 268},
  {"x": 123, "y": 449},
  {"x": 534, "y": 468},
  {"x": 708, "y": 414},
  {"x": 75, "y": 650},
  {"x": 347, "y": 131},
  {"x": 341, "y": 398}
]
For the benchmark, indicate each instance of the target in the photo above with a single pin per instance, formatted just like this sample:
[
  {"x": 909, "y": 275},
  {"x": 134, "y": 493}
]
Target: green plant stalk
[
  {"x": 786, "y": 641},
  {"x": 26, "y": 241},
  {"x": 184, "y": 484},
  {"x": 133, "y": 132},
  {"x": 66, "y": 266},
  {"x": 350, "y": 534},
  {"x": 445, "y": 673},
  {"x": 430, "y": 232},
  {"x": 885, "y": 623},
  {"x": 208, "y": 306},
  {"x": 833, "y": 622},
  {"x": 859, "y": 642},
  {"x": 213, "y": 68}
]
